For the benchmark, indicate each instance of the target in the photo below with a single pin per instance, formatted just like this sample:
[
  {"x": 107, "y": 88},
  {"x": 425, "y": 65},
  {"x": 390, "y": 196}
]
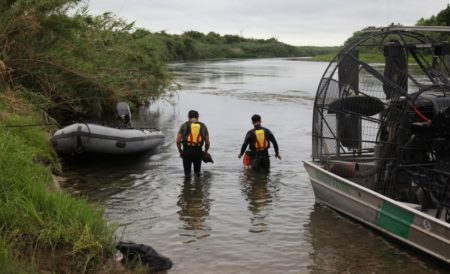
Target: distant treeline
[
  {"x": 194, "y": 45},
  {"x": 442, "y": 18}
]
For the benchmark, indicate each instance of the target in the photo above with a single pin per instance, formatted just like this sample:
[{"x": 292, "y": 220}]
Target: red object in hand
[{"x": 246, "y": 160}]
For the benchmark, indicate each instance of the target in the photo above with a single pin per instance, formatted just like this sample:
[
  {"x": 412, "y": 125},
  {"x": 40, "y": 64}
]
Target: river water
[{"x": 232, "y": 220}]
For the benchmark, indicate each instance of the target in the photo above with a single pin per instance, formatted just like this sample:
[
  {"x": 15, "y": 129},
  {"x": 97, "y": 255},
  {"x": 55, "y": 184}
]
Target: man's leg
[
  {"x": 187, "y": 162},
  {"x": 265, "y": 163},
  {"x": 265, "y": 160},
  {"x": 197, "y": 160},
  {"x": 261, "y": 161},
  {"x": 256, "y": 161}
]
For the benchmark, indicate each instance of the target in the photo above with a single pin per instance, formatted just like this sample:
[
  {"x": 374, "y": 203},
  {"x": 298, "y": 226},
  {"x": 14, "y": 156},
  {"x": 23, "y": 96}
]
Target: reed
[{"x": 45, "y": 229}]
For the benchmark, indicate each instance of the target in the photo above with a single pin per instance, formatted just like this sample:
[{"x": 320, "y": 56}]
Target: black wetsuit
[
  {"x": 192, "y": 155},
  {"x": 259, "y": 159}
]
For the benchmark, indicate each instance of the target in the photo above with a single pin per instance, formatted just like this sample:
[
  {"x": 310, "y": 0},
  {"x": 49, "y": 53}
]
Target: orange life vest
[
  {"x": 194, "y": 136},
  {"x": 261, "y": 140}
]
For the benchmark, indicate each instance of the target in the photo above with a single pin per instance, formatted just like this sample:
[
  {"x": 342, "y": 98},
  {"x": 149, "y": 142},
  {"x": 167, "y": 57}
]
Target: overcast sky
[{"x": 297, "y": 22}]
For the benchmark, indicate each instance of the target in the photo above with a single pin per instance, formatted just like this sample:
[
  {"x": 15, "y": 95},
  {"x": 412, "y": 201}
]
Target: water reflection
[
  {"x": 339, "y": 247},
  {"x": 259, "y": 191},
  {"x": 86, "y": 174},
  {"x": 194, "y": 202}
]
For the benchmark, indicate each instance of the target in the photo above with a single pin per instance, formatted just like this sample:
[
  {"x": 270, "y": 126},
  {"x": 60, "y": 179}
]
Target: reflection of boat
[
  {"x": 381, "y": 139},
  {"x": 330, "y": 252},
  {"x": 91, "y": 138}
]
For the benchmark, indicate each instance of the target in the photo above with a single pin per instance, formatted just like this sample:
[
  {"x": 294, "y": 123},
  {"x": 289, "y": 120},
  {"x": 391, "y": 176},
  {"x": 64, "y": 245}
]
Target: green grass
[
  {"x": 9, "y": 264},
  {"x": 323, "y": 57},
  {"x": 365, "y": 57},
  {"x": 50, "y": 229}
]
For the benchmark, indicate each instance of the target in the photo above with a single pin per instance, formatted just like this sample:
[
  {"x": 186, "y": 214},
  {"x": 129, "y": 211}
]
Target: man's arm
[
  {"x": 206, "y": 143},
  {"x": 244, "y": 145},
  {"x": 206, "y": 134},
  {"x": 275, "y": 144},
  {"x": 179, "y": 139}
]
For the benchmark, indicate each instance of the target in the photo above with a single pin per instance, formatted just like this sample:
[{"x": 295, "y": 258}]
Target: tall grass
[
  {"x": 9, "y": 264},
  {"x": 81, "y": 64},
  {"x": 52, "y": 229}
]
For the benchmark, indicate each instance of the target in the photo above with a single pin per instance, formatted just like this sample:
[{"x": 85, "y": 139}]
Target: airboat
[{"x": 381, "y": 136}]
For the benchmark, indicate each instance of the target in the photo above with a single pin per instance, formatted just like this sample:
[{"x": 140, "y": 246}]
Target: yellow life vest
[
  {"x": 261, "y": 140},
  {"x": 195, "y": 137}
]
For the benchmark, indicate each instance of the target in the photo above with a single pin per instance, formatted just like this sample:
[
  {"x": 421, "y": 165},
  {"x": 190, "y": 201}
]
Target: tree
[{"x": 441, "y": 19}]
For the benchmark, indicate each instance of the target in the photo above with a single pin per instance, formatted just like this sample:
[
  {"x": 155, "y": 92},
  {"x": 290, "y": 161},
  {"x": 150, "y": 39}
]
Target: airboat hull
[{"x": 388, "y": 216}]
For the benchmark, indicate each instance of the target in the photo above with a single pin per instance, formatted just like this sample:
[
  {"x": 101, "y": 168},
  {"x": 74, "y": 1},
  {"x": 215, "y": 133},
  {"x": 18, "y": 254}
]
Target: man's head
[
  {"x": 193, "y": 114},
  {"x": 256, "y": 120}
]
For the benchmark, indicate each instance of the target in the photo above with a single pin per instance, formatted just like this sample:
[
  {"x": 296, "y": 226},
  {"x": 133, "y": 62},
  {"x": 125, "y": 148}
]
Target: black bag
[
  {"x": 145, "y": 255},
  {"x": 206, "y": 158}
]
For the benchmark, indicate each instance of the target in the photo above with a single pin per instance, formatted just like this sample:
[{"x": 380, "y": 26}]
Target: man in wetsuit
[
  {"x": 259, "y": 139},
  {"x": 192, "y": 134}
]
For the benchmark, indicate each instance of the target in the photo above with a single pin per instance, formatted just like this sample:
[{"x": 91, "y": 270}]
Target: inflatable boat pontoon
[{"x": 82, "y": 138}]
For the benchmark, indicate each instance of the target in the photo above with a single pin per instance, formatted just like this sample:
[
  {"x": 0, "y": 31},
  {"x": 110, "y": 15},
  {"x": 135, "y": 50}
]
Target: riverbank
[
  {"x": 42, "y": 229},
  {"x": 365, "y": 57},
  {"x": 369, "y": 58}
]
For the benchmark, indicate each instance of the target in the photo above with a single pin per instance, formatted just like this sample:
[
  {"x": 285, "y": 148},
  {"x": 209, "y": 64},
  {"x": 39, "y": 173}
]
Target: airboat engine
[{"x": 124, "y": 114}]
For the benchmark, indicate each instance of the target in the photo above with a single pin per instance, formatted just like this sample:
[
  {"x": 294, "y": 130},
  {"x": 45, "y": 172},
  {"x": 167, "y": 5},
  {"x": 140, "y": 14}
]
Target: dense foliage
[
  {"x": 441, "y": 19},
  {"x": 372, "y": 54},
  {"x": 79, "y": 64},
  {"x": 193, "y": 45}
]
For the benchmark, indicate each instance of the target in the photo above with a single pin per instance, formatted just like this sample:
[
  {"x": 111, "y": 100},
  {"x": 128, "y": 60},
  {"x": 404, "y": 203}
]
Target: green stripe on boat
[
  {"x": 331, "y": 181},
  {"x": 395, "y": 219}
]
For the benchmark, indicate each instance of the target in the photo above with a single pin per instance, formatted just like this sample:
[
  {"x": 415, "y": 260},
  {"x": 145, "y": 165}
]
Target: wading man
[
  {"x": 192, "y": 135},
  {"x": 259, "y": 139}
]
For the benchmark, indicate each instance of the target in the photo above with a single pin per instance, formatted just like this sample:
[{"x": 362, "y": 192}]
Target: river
[{"x": 232, "y": 220}]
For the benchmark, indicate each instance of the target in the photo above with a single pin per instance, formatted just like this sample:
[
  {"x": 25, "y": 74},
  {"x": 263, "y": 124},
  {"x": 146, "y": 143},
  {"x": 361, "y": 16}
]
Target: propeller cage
[{"x": 386, "y": 125}]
